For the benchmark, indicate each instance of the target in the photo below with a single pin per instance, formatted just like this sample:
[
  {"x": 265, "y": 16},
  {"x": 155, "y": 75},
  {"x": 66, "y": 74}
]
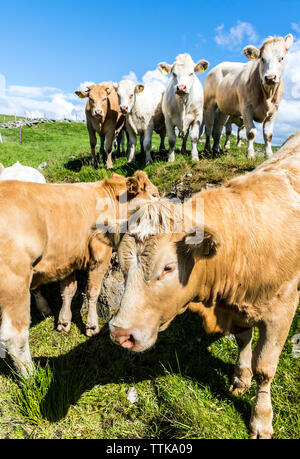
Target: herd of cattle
[
  {"x": 236, "y": 261},
  {"x": 233, "y": 93}
]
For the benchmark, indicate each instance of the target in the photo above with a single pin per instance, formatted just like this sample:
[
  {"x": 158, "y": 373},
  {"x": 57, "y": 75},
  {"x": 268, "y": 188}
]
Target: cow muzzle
[
  {"x": 181, "y": 90},
  {"x": 122, "y": 337},
  {"x": 124, "y": 109},
  {"x": 270, "y": 79}
]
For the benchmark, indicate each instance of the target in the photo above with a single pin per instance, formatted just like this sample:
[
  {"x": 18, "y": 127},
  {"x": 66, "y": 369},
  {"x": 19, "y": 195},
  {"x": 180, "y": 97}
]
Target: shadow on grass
[{"x": 98, "y": 361}]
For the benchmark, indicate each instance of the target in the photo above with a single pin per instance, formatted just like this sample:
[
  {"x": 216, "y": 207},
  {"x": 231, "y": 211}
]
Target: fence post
[
  {"x": 20, "y": 132},
  {"x": 1, "y": 141}
]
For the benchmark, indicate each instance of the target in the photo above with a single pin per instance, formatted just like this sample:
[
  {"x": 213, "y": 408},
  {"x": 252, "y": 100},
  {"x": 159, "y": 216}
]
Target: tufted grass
[{"x": 80, "y": 385}]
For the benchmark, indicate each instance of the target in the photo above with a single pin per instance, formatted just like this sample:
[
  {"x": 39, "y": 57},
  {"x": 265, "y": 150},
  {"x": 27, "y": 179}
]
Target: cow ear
[
  {"x": 139, "y": 88},
  {"x": 165, "y": 68},
  {"x": 82, "y": 94},
  {"x": 115, "y": 85},
  {"x": 251, "y": 52},
  {"x": 201, "y": 241},
  {"x": 289, "y": 41},
  {"x": 201, "y": 66},
  {"x": 138, "y": 182}
]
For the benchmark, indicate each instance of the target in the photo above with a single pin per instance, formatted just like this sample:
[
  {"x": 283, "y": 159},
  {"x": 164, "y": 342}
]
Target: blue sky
[
  {"x": 50, "y": 48},
  {"x": 62, "y": 43}
]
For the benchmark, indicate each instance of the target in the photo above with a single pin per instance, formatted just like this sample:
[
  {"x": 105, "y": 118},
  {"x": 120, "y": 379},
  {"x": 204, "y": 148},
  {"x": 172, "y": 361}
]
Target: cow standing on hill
[
  {"x": 182, "y": 104},
  {"x": 141, "y": 105},
  {"x": 236, "y": 261},
  {"x": 253, "y": 90},
  {"x": 103, "y": 117}
]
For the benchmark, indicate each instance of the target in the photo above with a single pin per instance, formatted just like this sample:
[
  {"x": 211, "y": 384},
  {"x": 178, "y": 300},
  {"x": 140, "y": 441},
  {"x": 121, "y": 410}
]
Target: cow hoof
[
  {"x": 64, "y": 326},
  {"x": 92, "y": 330},
  {"x": 235, "y": 390},
  {"x": 258, "y": 436},
  {"x": 149, "y": 161}
]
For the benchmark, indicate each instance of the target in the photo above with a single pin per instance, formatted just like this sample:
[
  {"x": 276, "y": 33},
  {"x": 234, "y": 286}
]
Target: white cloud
[
  {"x": 154, "y": 75},
  {"x": 130, "y": 76},
  {"x": 288, "y": 120},
  {"x": 31, "y": 101},
  {"x": 295, "y": 27},
  {"x": 236, "y": 36}
]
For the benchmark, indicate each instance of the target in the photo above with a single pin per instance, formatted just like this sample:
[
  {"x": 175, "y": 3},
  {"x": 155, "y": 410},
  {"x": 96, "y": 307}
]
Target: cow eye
[
  {"x": 280, "y": 59},
  {"x": 167, "y": 270},
  {"x": 174, "y": 74},
  {"x": 91, "y": 100}
]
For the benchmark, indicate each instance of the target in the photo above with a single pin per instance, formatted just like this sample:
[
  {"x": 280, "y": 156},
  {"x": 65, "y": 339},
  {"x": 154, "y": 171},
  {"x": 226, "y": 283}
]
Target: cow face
[
  {"x": 183, "y": 72},
  {"x": 271, "y": 58},
  {"x": 127, "y": 91},
  {"x": 97, "y": 99},
  {"x": 160, "y": 281}
]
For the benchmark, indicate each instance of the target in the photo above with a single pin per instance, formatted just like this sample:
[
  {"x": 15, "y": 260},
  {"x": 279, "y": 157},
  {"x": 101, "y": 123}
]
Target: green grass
[{"x": 80, "y": 385}]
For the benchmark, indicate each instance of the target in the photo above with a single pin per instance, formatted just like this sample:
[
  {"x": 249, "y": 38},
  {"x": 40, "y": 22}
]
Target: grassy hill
[{"x": 81, "y": 384}]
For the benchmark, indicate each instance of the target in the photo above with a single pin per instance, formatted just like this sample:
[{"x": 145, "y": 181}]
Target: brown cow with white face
[
  {"x": 236, "y": 261},
  {"x": 253, "y": 91},
  {"x": 102, "y": 116}
]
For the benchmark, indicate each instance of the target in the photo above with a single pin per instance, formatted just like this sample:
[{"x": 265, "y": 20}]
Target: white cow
[
  {"x": 141, "y": 104},
  {"x": 253, "y": 90},
  {"x": 20, "y": 172},
  {"x": 183, "y": 101}
]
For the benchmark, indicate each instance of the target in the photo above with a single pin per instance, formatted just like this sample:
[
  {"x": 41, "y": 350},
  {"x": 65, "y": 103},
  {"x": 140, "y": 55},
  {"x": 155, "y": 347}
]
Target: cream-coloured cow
[
  {"x": 253, "y": 91},
  {"x": 182, "y": 103},
  {"x": 230, "y": 253},
  {"x": 47, "y": 232}
]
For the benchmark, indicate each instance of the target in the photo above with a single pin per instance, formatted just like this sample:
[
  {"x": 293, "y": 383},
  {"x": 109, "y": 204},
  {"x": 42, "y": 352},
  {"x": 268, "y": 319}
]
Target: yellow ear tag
[
  {"x": 81, "y": 96},
  {"x": 252, "y": 56},
  {"x": 202, "y": 70},
  {"x": 164, "y": 72},
  {"x": 131, "y": 187},
  {"x": 140, "y": 89},
  {"x": 206, "y": 249}
]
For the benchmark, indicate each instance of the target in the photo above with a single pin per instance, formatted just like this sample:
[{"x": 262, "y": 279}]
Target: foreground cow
[
  {"x": 141, "y": 105},
  {"x": 48, "y": 232},
  {"x": 253, "y": 91},
  {"x": 183, "y": 101},
  {"x": 237, "y": 263},
  {"x": 103, "y": 117}
]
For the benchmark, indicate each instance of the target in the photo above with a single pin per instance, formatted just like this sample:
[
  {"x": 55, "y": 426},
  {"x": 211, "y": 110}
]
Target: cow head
[
  {"x": 159, "y": 269},
  {"x": 127, "y": 91},
  {"x": 183, "y": 72},
  {"x": 97, "y": 98},
  {"x": 270, "y": 58}
]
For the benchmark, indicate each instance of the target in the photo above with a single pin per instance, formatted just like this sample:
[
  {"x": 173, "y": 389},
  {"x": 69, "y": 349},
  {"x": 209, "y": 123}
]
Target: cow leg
[
  {"x": 162, "y": 134},
  {"x": 228, "y": 128},
  {"x": 102, "y": 254},
  {"x": 194, "y": 135},
  {"x": 142, "y": 143},
  {"x": 93, "y": 143},
  {"x": 41, "y": 303},
  {"x": 220, "y": 120},
  {"x": 184, "y": 141},
  {"x": 15, "y": 320},
  {"x": 250, "y": 131},
  {"x": 132, "y": 145},
  {"x": 209, "y": 118},
  {"x": 108, "y": 149},
  {"x": 102, "y": 149},
  {"x": 68, "y": 287},
  {"x": 171, "y": 139},
  {"x": 268, "y": 134},
  {"x": 243, "y": 373},
  {"x": 239, "y": 136},
  {"x": 273, "y": 332},
  {"x": 148, "y": 143}
]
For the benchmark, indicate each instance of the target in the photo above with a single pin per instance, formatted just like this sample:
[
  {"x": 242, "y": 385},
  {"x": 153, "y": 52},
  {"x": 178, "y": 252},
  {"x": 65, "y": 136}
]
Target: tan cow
[
  {"x": 46, "y": 233},
  {"x": 253, "y": 90},
  {"x": 103, "y": 117},
  {"x": 236, "y": 262}
]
